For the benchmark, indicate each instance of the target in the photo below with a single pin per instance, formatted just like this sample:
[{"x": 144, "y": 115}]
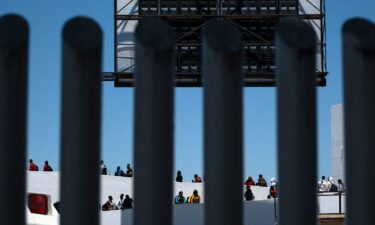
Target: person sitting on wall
[
  {"x": 197, "y": 179},
  {"x": 249, "y": 196},
  {"x": 179, "y": 199},
  {"x": 194, "y": 198},
  {"x": 261, "y": 181},
  {"x": 332, "y": 187},
  {"x": 103, "y": 168},
  {"x": 119, "y": 172},
  {"x": 249, "y": 181},
  {"x": 33, "y": 166},
  {"x": 128, "y": 202},
  {"x": 47, "y": 167},
  {"x": 179, "y": 177},
  {"x": 129, "y": 171},
  {"x": 109, "y": 205},
  {"x": 322, "y": 185},
  {"x": 120, "y": 202}
]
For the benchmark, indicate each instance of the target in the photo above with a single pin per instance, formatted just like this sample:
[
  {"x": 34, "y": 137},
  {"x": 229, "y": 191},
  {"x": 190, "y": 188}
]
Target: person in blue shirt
[{"x": 179, "y": 199}]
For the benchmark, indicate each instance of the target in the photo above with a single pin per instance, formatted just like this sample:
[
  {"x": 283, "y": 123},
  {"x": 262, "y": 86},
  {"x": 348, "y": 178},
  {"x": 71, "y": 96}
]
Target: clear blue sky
[{"x": 46, "y": 19}]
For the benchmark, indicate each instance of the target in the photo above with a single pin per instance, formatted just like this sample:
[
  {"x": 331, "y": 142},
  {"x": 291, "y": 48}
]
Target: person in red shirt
[
  {"x": 197, "y": 179},
  {"x": 249, "y": 181},
  {"x": 47, "y": 167},
  {"x": 33, "y": 166}
]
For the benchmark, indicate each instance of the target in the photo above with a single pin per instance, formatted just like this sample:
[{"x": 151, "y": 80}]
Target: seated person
[
  {"x": 179, "y": 177},
  {"x": 129, "y": 171},
  {"x": 249, "y": 196},
  {"x": 249, "y": 181},
  {"x": 194, "y": 198},
  {"x": 119, "y": 172},
  {"x": 261, "y": 181},
  {"x": 197, "y": 179},
  {"x": 128, "y": 203},
  {"x": 109, "y": 205},
  {"x": 120, "y": 202},
  {"x": 179, "y": 199}
]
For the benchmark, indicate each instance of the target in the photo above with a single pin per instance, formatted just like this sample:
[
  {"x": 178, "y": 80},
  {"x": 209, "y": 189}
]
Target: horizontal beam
[
  {"x": 190, "y": 18},
  {"x": 195, "y": 79}
]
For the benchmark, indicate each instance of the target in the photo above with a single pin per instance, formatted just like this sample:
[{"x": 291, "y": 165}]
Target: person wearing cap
[
  {"x": 179, "y": 199},
  {"x": 273, "y": 189},
  {"x": 120, "y": 202},
  {"x": 109, "y": 205}
]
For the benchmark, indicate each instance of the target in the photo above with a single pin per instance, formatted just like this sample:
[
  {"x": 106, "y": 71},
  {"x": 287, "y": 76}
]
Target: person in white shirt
[
  {"x": 120, "y": 202},
  {"x": 322, "y": 185},
  {"x": 341, "y": 186}
]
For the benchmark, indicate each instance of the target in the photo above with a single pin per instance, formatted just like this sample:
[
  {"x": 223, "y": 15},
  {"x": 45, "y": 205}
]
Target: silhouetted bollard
[
  {"x": 80, "y": 123},
  {"x": 153, "y": 128},
  {"x": 296, "y": 120},
  {"x": 14, "y": 44},
  {"x": 359, "y": 114},
  {"x": 223, "y": 123}
]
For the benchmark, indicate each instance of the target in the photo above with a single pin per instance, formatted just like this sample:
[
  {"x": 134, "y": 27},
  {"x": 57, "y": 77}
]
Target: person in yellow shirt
[{"x": 194, "y": 198}]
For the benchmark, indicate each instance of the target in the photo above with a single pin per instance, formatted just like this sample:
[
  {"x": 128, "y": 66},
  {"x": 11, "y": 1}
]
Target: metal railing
[{"x": 223, "y": 121}]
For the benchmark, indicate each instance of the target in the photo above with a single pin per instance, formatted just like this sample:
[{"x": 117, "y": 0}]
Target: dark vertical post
[
  {"x": 80, "y": 122},
  {"x": 153, "y": 128},
  {"x": 359, "y": 114},
  {"x": 14, "y": 44},
  {"x": 340, "y": 203},
  {"x": 296, "y": 122},
  {"x": 223, "y": 129}
]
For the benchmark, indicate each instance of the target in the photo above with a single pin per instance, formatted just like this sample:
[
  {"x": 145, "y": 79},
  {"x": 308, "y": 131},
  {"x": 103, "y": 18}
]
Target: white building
[{"x": 338, "y": 149}]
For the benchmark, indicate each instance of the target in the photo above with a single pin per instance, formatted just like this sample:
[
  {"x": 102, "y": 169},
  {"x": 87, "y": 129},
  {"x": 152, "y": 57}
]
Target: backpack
[
  {"x": 37, "y": 168},
  {"x": 334, "y": 188},
  {"x": 49, "y": 168}
]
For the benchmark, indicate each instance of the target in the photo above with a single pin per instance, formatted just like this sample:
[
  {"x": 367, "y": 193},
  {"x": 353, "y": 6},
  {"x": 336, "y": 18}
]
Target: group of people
[
  {"x": 119, "y": 172},
  {"x": 330, "y": 186},
  {"x": 196, "y": 179},
  {"x": 122, "y": 203},
  {"x": 193, "y": 198},
  {"x": 34, "y": 167},
  {"x": 261, "y": 182}
]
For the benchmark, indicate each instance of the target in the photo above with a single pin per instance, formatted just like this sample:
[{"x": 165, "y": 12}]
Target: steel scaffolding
[{"x": 256, "y": 19}]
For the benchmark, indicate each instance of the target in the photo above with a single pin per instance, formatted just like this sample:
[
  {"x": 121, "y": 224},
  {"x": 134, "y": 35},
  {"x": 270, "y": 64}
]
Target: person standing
[{"x": 33, "y": 166}]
